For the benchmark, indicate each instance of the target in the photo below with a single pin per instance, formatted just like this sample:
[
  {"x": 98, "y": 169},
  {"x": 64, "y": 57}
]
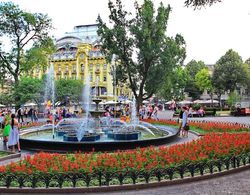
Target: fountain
[
  {"x": 50, "y": 94},
  {"x": 94, "y": 131},
  {"x": 88, "y": 128}
]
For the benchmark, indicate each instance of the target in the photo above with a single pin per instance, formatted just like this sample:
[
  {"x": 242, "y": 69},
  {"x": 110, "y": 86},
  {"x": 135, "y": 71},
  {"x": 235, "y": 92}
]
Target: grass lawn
[{"x": 3, "y": 154}]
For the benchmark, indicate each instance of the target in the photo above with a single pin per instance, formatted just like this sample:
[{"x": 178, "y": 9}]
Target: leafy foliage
[
  {"x": 37, "y": 57},
  {"x": 200, "y": 3},
  {"x": 203, "y": 80},
  {"x": 29, "y": 89},
  {"x": 68, "y": 88},
  {"x": 229, "y": 72},
  {"x": 173, "y": 87},
  {"x": 21, "y": 28},
  {"x": 144, "y": 53},
  {"x": 193, "y": 67}
]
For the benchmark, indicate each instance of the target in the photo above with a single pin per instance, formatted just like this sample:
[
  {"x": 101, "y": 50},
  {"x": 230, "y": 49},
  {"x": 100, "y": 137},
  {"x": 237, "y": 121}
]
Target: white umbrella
[
  {"x": 1, "y": 105},
  {"x": 126, "y": 102},
  {"x": 210, "y": 102},
  {"x": 185, "y": 102},
  {"x": 145, "y": 101},
  {"x": 110, "y": 102},
  {"x": 169, "y": 102},
  {"x": 30, "y": 104},
  {"x": 198, "y": 101}
]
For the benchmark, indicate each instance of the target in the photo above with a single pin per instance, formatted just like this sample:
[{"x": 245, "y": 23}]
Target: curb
[
  {"x": 10, "y": 155},
  {"x": 125, "y": 187}
]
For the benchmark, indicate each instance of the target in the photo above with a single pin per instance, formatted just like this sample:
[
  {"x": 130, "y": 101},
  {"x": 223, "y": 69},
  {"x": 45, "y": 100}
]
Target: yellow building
[{"x": 75, "y": 59}]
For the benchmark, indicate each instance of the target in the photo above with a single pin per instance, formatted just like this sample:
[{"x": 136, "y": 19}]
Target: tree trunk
[{"x": 138, "y": 103}]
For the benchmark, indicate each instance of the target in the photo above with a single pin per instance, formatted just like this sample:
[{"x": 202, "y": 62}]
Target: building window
[
  {"x": 103, "y": 91},
  {"x": 91, "y": 66},
  {"x": 82, "y": 67},
  {"x": 91, "y": 78},
  {"x": 82, "y": 78},
  {"x": 104, "y": 78},
  {"x": 98, "y": 66},
  {"x": 74, "y": 68},
  {"x": 59, "y": 68},
  {"x": 67, "y": 68},
  {"x": 82, "y": 56},
  {"x": 105, "y": 66}
]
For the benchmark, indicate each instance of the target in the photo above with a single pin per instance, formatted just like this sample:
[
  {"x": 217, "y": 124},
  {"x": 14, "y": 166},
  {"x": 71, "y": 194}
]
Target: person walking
[
  {"x": 184, "y": 125},
  {"x": 6, "y": 129},
  {"x": 14, "y": 134}
]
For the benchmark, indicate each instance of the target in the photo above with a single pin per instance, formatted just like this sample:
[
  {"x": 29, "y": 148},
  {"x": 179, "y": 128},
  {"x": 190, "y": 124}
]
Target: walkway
[
  {"x": 236, "y": 184},
  {"x": 242, "y": 119}
]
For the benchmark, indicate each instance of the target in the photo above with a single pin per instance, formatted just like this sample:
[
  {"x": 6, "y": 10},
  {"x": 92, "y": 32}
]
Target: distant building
[
  {"x": 78, "y": 56},
  {"x": 87, "y": 33}
]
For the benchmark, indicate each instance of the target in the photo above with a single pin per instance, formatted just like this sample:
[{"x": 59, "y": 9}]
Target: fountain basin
[
  {"x": 124, "y": 136},
  {"x": 87, "y": 138},
  {"x": 33, "y": 140}
]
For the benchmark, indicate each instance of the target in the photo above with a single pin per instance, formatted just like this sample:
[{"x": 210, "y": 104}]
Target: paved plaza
[{"x": 167, "y": 114}]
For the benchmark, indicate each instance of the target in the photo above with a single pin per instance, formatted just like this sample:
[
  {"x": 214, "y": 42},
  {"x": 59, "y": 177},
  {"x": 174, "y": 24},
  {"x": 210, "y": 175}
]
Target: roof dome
[{"x": 68, "y": 42}]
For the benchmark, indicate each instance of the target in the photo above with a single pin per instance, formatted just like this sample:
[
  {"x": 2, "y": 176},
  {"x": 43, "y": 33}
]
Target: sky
[{"x": 209, "y": 32}]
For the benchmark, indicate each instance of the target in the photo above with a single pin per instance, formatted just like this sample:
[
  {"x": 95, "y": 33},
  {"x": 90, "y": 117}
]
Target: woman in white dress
[{"x": 14, "y": 134}]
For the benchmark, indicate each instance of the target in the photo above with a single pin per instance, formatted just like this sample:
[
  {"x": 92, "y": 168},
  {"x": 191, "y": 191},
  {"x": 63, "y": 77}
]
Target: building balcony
[
  {"x": 59, "y": 72},
  {"x": 97, "y": 71}
]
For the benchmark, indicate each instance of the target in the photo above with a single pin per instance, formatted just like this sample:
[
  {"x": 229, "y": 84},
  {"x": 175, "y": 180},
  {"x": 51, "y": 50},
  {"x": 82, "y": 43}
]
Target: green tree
[
  {"x": 29, "y": 89},
  {"x": 21, "y": 28},
  {"x": 173, "y": 87},
  {"x": 145, "y": 54},
  {"x": 193, "y": 67},
  {"x": 200, "y": 3},
  {"x": 203, "y": 81},
  {"x": 229, "y": 72},
  {"x": 68, "y": 88},
  {"x": 233, "y": 98},
  {"x": 37, "y": 57}
]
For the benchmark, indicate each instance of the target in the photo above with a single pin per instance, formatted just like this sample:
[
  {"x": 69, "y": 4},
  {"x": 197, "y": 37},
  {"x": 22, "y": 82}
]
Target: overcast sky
[{"x": 208, "y": 32}]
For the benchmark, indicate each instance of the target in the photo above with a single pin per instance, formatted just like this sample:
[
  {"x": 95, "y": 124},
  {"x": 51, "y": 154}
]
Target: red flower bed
[
  {"x": 209, "y": 147},
  {"x": 207, "y": 126}
]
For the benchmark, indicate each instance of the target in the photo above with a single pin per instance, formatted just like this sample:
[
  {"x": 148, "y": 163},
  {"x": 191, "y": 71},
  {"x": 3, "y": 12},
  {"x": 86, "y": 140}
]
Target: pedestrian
[
  {"x": 31, "y": 114},
  {"x": 14, "y": 134},
  {"x": 20, "y": 115},
  {"x": 155, "y": 113},
  {"x": 184, "y": 125},
  {"x": 6, "y": 130}
]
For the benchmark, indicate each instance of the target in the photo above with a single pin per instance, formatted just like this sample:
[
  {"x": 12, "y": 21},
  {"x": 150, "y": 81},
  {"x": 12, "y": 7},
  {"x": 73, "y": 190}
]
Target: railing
[{"x": 106, "y": 178}]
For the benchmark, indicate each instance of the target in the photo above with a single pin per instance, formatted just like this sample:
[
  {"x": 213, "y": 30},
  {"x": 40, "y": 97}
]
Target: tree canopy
[
  {"x": 68, "y": 88},
  {"x": 193, "y": 67},
  {"x": 21, "y": 28},
  {"x": 229, "y": 72},
  {"x": 29, "y": 89},
  {"x": 200, "y": 3},
  {"x": 144, "y": 53},
  {"x": 174, "y": 85}
]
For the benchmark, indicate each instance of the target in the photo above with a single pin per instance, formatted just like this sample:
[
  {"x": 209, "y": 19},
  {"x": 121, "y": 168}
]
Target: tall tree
[
  {"x": 230, "y": 72},
  {"x": 21, "y": 28},
  {"x": 193, "y": 67},
  {"x": 145, "y": 54}
]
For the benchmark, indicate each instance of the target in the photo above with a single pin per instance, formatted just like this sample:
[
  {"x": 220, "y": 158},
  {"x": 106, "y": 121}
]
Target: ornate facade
[{"x": 78, "y": 58}]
